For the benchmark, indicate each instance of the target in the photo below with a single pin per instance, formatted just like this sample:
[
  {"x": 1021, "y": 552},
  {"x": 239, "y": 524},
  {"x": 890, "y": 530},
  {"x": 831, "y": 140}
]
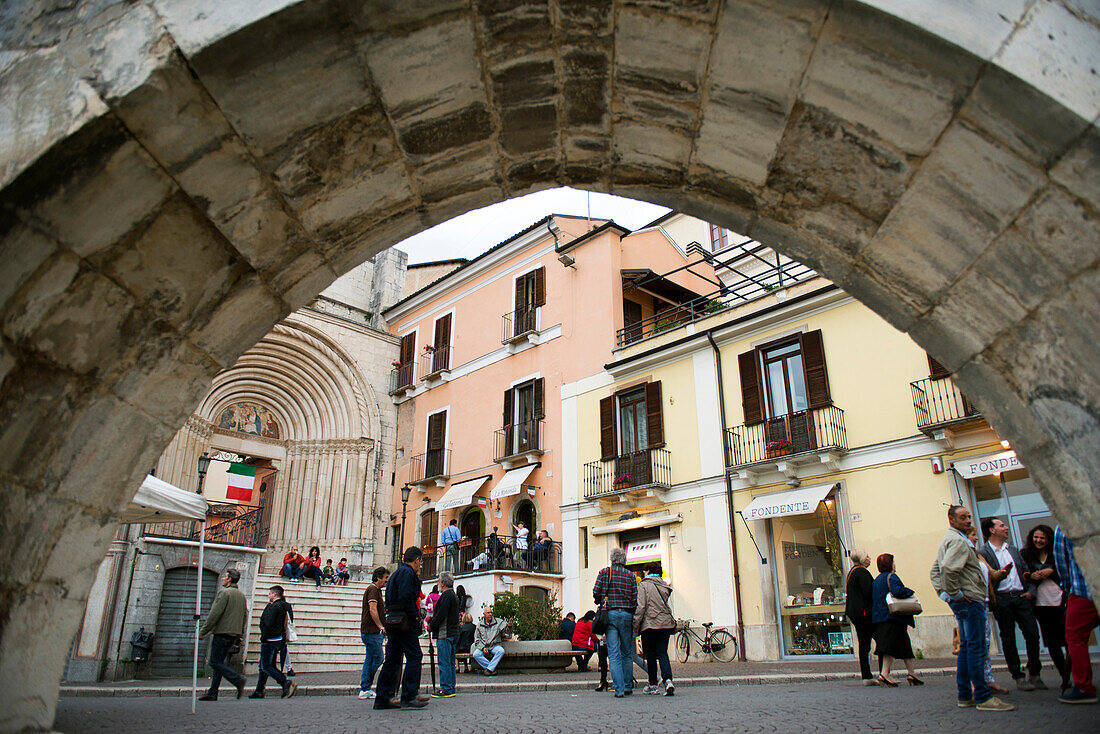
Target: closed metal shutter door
[{"x": 174, "y": 646}]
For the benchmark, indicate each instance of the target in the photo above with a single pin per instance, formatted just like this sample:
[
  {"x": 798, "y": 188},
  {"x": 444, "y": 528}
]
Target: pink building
[{"x": 485, "y": 350}]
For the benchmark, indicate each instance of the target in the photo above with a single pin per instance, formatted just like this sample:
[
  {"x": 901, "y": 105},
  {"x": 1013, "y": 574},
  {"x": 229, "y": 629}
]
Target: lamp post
[
  {"x": 405, "y": 492},
  {"x": 204, "y": 464}
]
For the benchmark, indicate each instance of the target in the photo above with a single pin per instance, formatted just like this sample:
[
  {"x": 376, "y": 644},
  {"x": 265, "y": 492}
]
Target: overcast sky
[{"x": 475, "y": 232}]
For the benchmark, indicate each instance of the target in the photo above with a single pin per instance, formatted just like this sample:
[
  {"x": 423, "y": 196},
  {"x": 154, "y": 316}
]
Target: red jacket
[
  {"x": 296, "y": 558},
  {"x": 582, "y": 635}
]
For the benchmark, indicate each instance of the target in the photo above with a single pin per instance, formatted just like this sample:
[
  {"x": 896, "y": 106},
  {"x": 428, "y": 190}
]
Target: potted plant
[
  {"x": 396, "y": 364},
  {"x": 429, "y": 349},
  {"x": 622, "y": 481},
  {"x": 782, "y": 447}
]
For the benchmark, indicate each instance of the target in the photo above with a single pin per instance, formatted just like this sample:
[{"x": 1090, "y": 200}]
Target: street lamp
[
  {"x": 204, "y": 464},
  {"x": 405, "y": 492}
]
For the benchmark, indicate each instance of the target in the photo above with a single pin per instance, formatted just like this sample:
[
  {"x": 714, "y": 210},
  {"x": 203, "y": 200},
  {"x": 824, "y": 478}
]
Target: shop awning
[
  {"x": 801, "y": 501},
  {"x": 980, "y": 466},
  {"x": 645, "y": 521},
  {"x": 643, "y": 551},
  {"x": 159, "y": 501},
  {"x": 460, "y": 494},
  {"x": 511, "y": 482}
]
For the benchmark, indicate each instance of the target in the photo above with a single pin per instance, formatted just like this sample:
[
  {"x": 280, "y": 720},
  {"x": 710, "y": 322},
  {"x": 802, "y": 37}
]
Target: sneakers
[
  {"x": 1024, "y": 684},
  {"x": 995, "y": 704},
  {"x": 290, "y": 672},
  {"x": 367, "y": 694},
  {"x": 1037, "y": 683},
  {"x": 441, "y": 694},
  {"x": 966, "y": 703},
  {"x": 670, "y": 690},
  {"x": 1076, "y": 695},
  {"x": 650, "y": 690}
]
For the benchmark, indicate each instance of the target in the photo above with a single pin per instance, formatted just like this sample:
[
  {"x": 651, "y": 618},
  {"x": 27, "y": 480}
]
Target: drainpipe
[{"x": 729, "y": 500}]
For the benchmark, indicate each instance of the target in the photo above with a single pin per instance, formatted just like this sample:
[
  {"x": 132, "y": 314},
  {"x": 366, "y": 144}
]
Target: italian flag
[
  {"x": 530, "y": 490},
  {"x": 242, "y": 477},
  {"x": 482, "y": 502}
]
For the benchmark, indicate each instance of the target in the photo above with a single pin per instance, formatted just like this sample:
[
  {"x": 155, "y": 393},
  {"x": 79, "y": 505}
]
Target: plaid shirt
[
  {"x": 1073, "y": 581},
  {"x": 619, "y": 586}
]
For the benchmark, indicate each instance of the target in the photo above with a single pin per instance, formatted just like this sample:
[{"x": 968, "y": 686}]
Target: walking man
[
  {"x": 272, "y": 635},
  {"x": 444, "y": 628},
  {"x": 617, "y": 589},
  {"x": 957, "y": 577},
  {"x": 226, "y": 621},
  {"x": 1013, "y": 606},
  {"x": 372, "y": 630},
  {"x": 402, "y": 621},
  {"x": 490, "y": 632},
  {"x": 451, "y": 536},
  {"x": 1081, "y": 619}
]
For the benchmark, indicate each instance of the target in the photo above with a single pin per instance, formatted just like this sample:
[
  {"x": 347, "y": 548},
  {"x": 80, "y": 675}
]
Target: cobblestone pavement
[{"x": 806, "y": 707}]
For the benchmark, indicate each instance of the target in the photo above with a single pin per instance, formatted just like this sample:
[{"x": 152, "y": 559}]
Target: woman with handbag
[
  {"x": 1049, "y": 603},
  {"x": 892, "y": 611},
  {"x": 858, "y": 609},
  {"x": 654, "y": 621}
]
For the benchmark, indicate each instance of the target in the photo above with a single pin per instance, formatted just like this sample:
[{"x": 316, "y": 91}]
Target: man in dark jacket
[
  {"x": 272, "y": 634},
  {"x": 444, "y": 628},
  {"x": 402, "y": 593},
  {"x": 226, "y": 620},
  {"x": 1013, "y": 605}
]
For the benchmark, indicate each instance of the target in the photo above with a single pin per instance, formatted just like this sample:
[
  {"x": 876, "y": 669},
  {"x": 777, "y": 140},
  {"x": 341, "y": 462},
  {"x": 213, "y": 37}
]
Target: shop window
[
  {"x": 810, "y": 577},
  {"x": 535, "y": 593}
]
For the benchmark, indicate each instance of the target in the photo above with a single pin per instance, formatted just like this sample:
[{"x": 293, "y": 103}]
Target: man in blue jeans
[
  {"x": 272, "y": 636},
  {"x": 444, "y": 628},
  {"x": 451, "y": 536},
  {"x": 617, "y": 589},
  {"x": 958, "y": 578},
  {"x": 402, "y": 638},
  {"x": 371, "y": 629}
]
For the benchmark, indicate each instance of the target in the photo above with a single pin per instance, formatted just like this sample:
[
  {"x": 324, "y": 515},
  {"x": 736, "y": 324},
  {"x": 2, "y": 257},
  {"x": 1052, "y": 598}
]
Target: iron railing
[
  {"x": 806, "y": 431},
  {"x": 432, "y": 464},
  {"x": 248, "y": 528},
  {"x": 401, "y": 377},
  {"x": 435, "y": 361},
  {"x": 490, "y": 553},
  {"x": 517, "y": 438},
  {"x": 516, "y": 323},
  {"x": 646, "y": 468},
  {"x": 938, "y": 402}
]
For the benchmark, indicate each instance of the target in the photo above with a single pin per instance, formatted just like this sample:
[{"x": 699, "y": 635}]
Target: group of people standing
[{"x": 869, "y": 612}]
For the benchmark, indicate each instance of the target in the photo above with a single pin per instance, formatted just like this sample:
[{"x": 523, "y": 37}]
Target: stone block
[
  {"x": 376, "y": 16},
  {"x": 169, "y": 367},
  {"x": 649, "y": 150},
  {"x": 431, "y": 137},
  {"x": 1016, "y": 263},
  {"x": 373, "y": 234},
  {"x": 528, "y": 129},
  {"x": 1057, "y": 51},
  {"x": 910, "y": 83},
  {"x": 585, "y": 158},
  {"x": 283, "y": 74},
  {"x": 532, "y": 174},
  {"x": 585, "y": 87},
  {"x": 585, "y": 18},
  {"x": 750, "y": 96},
  {"x": 427, "y": 74},
  {"x": 524, "y": 81},
  {"x": 22, "y": 250},
  {"x": 513, "y": 27},
  {"x": 196, "y": 24},
  {"x": 35, "y": 395},
  {"x": 299, "y": 281},
  {"x": 1079, "y": 168},
  {"x": 475, "y": 167},
  {"x": 227, "y": 333},
  {"x": 979, "y": 26},
  {"x": 659, "y": 55}
]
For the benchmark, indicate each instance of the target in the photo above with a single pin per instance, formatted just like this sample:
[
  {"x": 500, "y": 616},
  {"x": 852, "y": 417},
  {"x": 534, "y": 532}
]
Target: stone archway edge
[{"x": 178, "y": 176}]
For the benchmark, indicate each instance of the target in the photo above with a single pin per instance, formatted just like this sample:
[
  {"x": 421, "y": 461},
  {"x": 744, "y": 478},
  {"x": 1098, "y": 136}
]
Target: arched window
[{"x": 525, "y": 511}]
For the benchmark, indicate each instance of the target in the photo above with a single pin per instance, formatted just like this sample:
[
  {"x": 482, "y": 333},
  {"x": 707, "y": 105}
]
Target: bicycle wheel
[
  {"x": 683, "y": 647},
  {"x": 723, "y": 646}
]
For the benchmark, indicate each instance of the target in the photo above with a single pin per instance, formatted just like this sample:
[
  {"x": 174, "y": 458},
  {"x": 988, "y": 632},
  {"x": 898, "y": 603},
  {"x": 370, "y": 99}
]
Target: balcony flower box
[
  {"x": 774, "y": 449},
  {"x": 622, "y": 481},
  {"x": 465, "y": 543}
]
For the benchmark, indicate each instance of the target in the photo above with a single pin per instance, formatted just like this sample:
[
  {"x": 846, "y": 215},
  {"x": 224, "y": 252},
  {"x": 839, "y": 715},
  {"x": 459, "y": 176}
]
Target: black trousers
[
  {"x": 219, "y": 649},
  {"x": 1052, "y": 623},
  {"x": 1009, "y": 612},
  {"x": 864, "y": 635},
  {"x": 584, "y": 657},
  {"x": 400, "y": 645}
]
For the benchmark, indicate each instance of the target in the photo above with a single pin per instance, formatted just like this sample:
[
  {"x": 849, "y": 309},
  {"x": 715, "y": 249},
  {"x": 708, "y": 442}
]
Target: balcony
[
  {"x": 430, "y": 467},
  {"x": 518, "y": 441},
  {"x": 519, "y": 326},
  {"x": 401, "y": 379},
  {"x": 782, "y": 444},
  {"x": 249, "y": 528},
  {"x": 628, "y": 478},
  {"x": 488, "y": 554},
  {"x": 941, "y": 408},
  {"x": 435, "y": 366}
]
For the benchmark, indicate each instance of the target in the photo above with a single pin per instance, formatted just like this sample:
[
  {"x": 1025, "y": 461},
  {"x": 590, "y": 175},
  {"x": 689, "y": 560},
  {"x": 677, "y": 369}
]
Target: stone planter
[{"x": 537, "y": 656}]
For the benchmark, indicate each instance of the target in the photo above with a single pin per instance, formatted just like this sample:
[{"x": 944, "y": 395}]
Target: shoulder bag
[
  {"x": 600, "y": 623},
  {"x": 909, "y": 606},
  {"x": 291, "y": 633}
]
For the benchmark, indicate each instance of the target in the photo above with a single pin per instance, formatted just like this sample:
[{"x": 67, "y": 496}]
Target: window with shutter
[
  {"x": 441, "y": 358},
  {"x": 752, "y": 395},
  {"x": 434, "y": 460},
  {"x": 608, "y": 447},
  {"x": 653, "y": 414},
  {"x": 539, "y": 295},
  {"x": 406, "y": 358},
  {"x": 936, "y": 370},
  {"x": 719, "y": 237},
  {"x": 817, "y": 377},
  {"x": 527, "y": 300}
]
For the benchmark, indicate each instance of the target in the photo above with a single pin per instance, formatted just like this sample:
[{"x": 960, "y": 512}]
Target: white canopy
[
  {"x": 159, "y": 501},
  {"x": 979, "y": 466},
  {"x": 460, "y": 494},
  {"x": 801, "y": 501},
  {"x": 510, "y": 483}
]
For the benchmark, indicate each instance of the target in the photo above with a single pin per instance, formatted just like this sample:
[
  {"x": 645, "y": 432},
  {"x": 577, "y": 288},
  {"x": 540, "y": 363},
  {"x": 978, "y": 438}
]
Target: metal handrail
[
  {"x": 645, "y": 468},
  {"x": 401, "y": 377},
  {"x": 807, "y": 431},
  {"x": 431, "y": 464},
  {"x": 516, "y": 323},
  {"x": 517, "y": 438},
  {"x": 491, "y": 552},
  {"x": 938, "y": 401},
  {"x": 435, "y": 361}
]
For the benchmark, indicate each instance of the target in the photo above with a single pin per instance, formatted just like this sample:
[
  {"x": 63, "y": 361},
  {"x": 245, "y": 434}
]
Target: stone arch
[{"x": 179, "y": 176}]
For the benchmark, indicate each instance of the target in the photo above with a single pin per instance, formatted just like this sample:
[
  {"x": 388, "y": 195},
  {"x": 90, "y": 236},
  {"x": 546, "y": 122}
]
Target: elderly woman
[
  {"x": 891, "y": 633},
  {"x": 858, "y": 608}
]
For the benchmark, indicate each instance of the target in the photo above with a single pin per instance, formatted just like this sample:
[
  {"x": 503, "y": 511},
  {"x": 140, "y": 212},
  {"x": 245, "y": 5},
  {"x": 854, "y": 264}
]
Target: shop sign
[
  {"x": 780, "y": 504},
  {"x": 980, "y": 466}
]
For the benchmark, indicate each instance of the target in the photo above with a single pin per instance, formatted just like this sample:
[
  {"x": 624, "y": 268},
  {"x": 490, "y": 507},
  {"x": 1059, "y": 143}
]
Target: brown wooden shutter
[
  {"x": 654, "y": 418},
  {"x": 752, "y": 392},
  {"x": 936, "y": 370},
  {"x": 540, "y": 287},
  {"x": 537, "y": 399},
  {"x": 436, "y": 430},
  {"x": 408, "y": 348},
  {"x": 508, "y": 408},
  {"x": 442, "y": 332},
  {"x": 813, "y": 363},
  {"x": 608, "y": 449}
]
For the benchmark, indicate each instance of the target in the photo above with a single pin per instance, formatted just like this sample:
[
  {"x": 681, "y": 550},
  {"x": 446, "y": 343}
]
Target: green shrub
[{"x": 535, "y": 620}]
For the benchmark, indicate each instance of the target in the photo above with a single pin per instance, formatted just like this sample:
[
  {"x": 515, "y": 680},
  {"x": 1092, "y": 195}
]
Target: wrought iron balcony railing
[
  {"x": 433, "y": 362},
  {"x": 432, "y": 464},
  {"x": 247, "y": 528},
  {"x": 646, "y": 468},
  {"x": 804, "y": 432},
  {"x": 401, "y": 377},
  {"x": 938, "y": 402},
  {"x": 517, "y": 439},
  {"x": 491, "y": 553},
  {"x": 516, "y": 324}
]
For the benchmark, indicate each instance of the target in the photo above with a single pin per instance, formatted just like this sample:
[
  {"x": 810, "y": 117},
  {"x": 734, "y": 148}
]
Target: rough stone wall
[{"x": 178, "y": 175}]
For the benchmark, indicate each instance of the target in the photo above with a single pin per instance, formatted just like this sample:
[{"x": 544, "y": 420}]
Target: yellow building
[{"x": 750, "y": 441}]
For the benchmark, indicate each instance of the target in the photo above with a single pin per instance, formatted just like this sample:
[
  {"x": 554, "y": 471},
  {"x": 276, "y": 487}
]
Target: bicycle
[{"x": 721, "y": 645}]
